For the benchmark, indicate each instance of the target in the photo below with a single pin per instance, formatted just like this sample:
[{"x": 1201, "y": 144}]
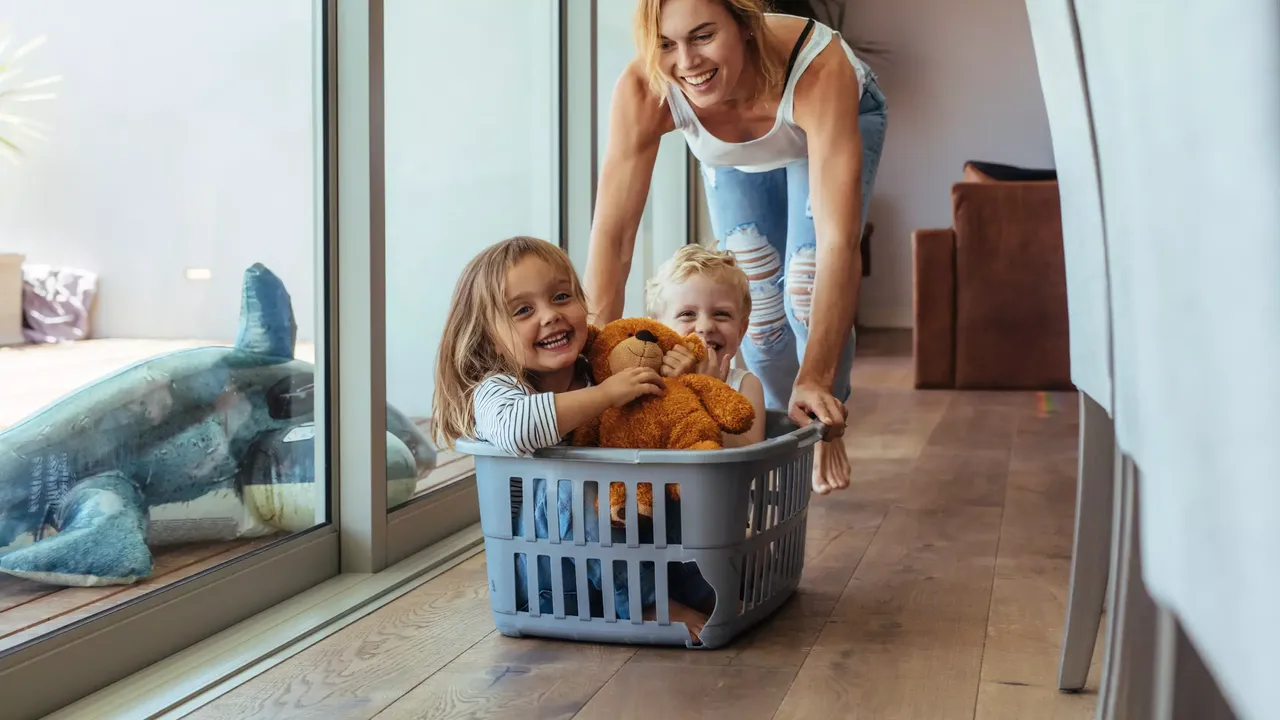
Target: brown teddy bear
[{"x": 689, "y": 415}]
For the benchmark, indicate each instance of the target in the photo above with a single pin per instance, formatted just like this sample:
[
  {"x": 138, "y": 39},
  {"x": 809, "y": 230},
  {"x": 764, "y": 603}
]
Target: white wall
[
  {"x": 961, "y": 84},
  {"x": 471, "y": 119},
  {"x": 183, "y": 136}
]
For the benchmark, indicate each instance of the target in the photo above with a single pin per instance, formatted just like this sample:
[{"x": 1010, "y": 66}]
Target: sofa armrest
[
  {"x": 1010, "y": 286},
  {"x": 933, "y": 301}
]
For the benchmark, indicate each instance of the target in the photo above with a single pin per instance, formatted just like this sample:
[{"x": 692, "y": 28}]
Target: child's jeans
[{"x": 685, "y": 583}]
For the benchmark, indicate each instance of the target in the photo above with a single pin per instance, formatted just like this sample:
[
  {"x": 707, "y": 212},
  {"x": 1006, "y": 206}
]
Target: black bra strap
[{"x": 795, "y": 51}]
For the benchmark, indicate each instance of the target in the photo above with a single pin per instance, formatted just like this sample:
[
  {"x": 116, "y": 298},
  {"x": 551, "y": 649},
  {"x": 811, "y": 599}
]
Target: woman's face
[{"x": 703, "y": 49}]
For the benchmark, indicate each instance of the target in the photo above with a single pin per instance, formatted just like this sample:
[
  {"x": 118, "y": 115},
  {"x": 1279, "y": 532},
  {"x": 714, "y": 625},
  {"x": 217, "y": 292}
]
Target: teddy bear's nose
[{"x": 647, "y": 336}]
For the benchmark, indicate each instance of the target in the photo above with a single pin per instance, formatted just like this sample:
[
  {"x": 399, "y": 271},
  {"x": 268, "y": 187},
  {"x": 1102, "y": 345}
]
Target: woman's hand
[
  {"x": 621, "y": 388},
  {"x": 809, "y": 400}
]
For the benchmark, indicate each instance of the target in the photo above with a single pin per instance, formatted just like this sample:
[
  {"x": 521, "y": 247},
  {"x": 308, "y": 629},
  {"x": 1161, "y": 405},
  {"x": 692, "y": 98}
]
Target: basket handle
[{"x": 821, "y": 426}]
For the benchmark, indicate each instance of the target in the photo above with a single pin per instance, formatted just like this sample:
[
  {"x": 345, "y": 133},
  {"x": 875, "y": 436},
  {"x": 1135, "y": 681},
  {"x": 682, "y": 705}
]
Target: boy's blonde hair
[
  {"x": 749, "y": 15},
  {"x": 472, "y": 347},
  {"x": 720, "y": 266}
]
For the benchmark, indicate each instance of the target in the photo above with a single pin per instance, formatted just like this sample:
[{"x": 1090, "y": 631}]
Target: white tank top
[
  {"x": 734, "y": 379},
  {"x": 785, "y": 143}
]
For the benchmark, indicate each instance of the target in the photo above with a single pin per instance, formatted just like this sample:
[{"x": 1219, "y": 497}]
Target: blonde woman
[{"x": 788, "y": 125}]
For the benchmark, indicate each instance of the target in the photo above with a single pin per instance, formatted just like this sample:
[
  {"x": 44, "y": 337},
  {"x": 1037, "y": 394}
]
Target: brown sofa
[{"x": 990, "y": 297}]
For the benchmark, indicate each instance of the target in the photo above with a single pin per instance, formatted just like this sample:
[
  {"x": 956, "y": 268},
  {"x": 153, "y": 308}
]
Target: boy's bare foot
[
  {"x": 831, "y": 469},
  {"x": 692, "y": 619}
]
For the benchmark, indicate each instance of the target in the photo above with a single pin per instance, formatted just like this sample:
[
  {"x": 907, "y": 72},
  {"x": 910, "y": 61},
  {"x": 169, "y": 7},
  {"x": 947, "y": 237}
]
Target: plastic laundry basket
[{"x": 742, "y": 517}]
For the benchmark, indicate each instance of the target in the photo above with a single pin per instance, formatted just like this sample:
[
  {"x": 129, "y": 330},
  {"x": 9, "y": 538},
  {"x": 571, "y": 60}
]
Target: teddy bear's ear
[
  {"x": 593, "y": 332},
  {"x": 695, "y": 345}
]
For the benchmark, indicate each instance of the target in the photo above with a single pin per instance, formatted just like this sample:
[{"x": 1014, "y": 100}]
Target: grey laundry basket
[{"x": 743, "y": 513}]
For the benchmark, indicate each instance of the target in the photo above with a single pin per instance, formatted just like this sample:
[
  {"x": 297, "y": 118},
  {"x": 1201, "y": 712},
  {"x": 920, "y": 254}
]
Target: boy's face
[{"x": 710, "y": 309}]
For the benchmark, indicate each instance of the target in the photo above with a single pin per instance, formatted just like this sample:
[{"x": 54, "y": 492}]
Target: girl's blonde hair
[
  {"x": 693, "y": 259},
  {"x": 750, "y": 17},
  {"x": 472, "y": 347}
]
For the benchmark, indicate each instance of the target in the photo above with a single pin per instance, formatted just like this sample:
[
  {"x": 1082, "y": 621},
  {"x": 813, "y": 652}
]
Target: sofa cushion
[{"x": 980, "y": 171}]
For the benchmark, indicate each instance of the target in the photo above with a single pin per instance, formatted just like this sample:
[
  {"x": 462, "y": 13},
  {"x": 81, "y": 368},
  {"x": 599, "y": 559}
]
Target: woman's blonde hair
[
  {"x": 749, "y": 15},
  {"x": 472, "y": 347},
  {"x": 719, "y": 266}
]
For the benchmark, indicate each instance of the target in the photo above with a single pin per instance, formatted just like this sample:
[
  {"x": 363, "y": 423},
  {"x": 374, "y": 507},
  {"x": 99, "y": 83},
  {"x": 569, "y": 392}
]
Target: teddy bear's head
[{"x": 634, "y": 342}]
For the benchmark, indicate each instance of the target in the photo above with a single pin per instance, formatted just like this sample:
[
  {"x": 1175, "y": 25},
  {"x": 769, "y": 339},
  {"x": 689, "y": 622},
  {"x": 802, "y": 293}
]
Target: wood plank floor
[{"x": 934, "y": 589}]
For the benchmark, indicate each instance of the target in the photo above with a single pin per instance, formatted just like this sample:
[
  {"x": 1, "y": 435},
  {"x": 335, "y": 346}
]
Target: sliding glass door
[{"x": 164, "y": 444}]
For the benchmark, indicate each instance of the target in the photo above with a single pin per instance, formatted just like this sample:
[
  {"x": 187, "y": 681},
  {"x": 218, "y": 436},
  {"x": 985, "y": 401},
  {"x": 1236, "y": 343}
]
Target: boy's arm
[{"x": 753, "y": 390}]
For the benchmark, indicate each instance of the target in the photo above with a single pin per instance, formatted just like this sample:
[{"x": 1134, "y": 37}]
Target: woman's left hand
[{"x": 810, "y": 398}]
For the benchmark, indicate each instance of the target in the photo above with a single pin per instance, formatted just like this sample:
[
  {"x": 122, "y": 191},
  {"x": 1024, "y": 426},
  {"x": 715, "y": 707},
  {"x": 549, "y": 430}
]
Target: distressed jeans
[{"x": 766, "y": 220}]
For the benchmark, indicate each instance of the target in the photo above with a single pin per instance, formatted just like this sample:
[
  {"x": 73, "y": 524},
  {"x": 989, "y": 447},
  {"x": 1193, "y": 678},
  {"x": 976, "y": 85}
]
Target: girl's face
[
  {"x": 711, "y": 309},
  {"x": 703, "y": 49},
  {"x": 548, "y": 324}
]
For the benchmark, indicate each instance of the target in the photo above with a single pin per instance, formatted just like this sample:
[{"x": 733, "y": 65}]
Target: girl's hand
[
  {"x": 623, "y": 387},
  {"x": 715, "y": 366},
  {"x": 678, "y": 361}
]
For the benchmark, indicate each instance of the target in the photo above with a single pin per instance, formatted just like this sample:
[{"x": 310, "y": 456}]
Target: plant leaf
[
  {"x": 30, "y": 45},
  {"x": 13, "y": 152},
  {"x": 40, "y": 83}
]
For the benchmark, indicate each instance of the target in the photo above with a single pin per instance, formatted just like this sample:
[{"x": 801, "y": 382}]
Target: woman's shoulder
[
  {"x": 785, "y": 29},
  {"x": 633, "y": 84},
  {"x": 635, "y": 110}
]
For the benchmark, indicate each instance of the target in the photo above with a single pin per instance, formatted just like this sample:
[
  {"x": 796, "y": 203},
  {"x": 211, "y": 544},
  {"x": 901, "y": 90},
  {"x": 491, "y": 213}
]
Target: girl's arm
[
  {"x": 636, "y": 126},
  {"x": 518, "y": 422},
  {"x": 826, "y": 107},
  {"x": 513, "y": 420},
  {"x": 754, "y": 391}
]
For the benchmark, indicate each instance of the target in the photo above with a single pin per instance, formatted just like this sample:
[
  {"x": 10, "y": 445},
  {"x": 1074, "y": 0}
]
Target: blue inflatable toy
[{"x": 208, "y": 443}]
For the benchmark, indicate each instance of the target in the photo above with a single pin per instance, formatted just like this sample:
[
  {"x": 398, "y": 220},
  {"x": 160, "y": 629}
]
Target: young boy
[{"x": 705, "y": 292}]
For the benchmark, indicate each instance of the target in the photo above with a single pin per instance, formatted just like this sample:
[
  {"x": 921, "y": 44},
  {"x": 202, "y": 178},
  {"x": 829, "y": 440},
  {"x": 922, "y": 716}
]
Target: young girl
[
  {"x": 706, "y": 292},
  {"x": 510, "y": 372}
]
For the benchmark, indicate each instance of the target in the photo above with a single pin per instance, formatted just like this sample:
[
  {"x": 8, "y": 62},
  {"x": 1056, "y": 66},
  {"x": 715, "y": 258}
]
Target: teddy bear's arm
[{"x": 731, "y": 410}]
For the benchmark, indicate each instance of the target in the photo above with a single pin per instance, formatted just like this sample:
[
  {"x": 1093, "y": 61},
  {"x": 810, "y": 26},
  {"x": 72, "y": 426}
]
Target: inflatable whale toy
[{"x": 202, "y": 444}]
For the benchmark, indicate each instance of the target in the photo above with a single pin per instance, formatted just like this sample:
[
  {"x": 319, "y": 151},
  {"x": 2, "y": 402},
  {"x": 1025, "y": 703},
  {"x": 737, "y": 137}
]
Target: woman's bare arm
[
  {"x": 826, "y": 107},
  {"x": 636, "y": 126}
]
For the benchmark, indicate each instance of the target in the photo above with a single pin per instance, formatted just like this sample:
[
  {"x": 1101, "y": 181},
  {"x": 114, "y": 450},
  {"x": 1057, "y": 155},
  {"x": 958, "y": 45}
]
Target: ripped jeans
[{"x": 766, "y": 220}]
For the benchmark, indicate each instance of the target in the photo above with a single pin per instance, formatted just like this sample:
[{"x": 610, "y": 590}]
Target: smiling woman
[{"x": 788, "y": 124}]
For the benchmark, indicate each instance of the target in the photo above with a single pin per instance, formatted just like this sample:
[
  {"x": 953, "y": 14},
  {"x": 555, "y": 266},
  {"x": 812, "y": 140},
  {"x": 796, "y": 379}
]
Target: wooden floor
[{"x": 934, "y": 589}]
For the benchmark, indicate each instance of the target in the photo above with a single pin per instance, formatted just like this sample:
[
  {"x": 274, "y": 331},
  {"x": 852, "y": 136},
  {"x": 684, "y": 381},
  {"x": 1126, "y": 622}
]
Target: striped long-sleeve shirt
[{"x": 513, "y": 419}]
